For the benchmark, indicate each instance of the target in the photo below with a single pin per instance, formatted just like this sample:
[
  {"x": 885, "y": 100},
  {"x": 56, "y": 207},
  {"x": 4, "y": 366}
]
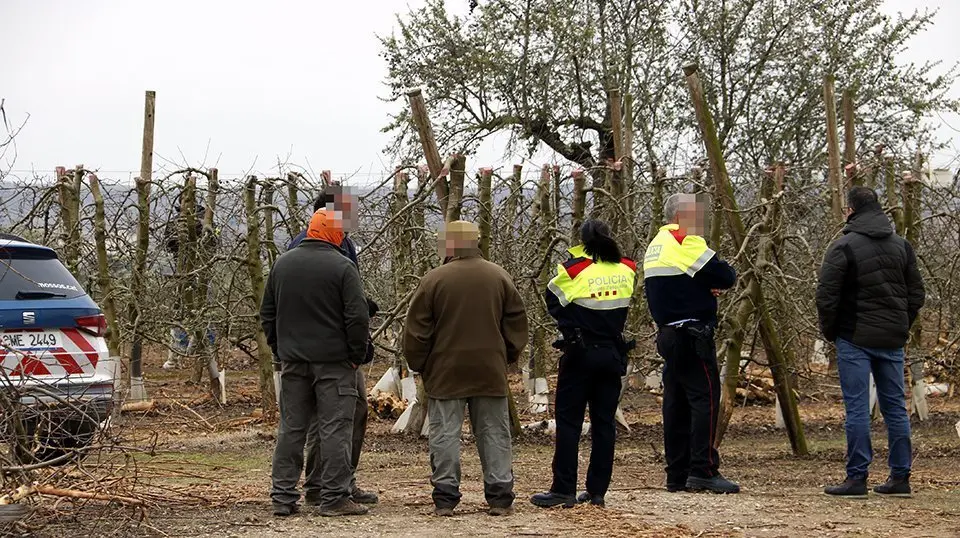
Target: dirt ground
[{"x": 223, "y": 456}]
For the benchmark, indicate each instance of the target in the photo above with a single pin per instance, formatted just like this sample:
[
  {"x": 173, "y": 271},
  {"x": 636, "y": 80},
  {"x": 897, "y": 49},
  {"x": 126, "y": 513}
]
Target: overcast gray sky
[{"x": 238, "y": 83}]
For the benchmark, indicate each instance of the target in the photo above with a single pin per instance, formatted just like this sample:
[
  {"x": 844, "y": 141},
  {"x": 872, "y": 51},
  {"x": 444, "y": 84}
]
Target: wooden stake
[
  {"x": 579, "y": 204},
  {"x": 833, "y": 151},
  {"x": 137, "y": 286},
  {"x": 771, "y": 340}
]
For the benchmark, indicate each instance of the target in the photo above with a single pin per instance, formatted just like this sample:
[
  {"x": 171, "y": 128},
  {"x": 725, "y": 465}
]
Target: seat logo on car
[{"x": 29, "y": 318}]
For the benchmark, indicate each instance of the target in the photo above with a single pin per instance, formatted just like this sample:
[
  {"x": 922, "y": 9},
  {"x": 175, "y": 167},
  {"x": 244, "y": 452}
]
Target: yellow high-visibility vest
[
  {"x": 593, "y": 285},
  {"x": 666, "y": 257}
]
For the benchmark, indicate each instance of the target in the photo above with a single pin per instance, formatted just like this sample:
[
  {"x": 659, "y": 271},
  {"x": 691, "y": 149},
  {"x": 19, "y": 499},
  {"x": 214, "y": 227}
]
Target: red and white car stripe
[{"x": 78, "y": 355}]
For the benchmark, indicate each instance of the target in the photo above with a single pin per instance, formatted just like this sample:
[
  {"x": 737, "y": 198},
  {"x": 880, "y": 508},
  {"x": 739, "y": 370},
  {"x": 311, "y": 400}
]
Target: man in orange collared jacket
[{"x": 315, "y": 317}]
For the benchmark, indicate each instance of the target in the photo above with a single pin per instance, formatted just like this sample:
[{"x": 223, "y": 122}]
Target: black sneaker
[
  {"x": 284, "y": 510},
  {"x": 551, "y": 499},
  {"x": 676, "y": 484},
  {"x": 596, "y": 500},
  {"x": 852, "y": 488},
  {"x": 894, "y": 487},
  {"x": 716, "y": 484},
  {"x": 364, "y": 497}
]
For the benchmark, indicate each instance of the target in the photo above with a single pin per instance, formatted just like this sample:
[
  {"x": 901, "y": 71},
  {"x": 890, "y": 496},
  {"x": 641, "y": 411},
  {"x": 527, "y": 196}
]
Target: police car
[{"x": 53, "y": 354}]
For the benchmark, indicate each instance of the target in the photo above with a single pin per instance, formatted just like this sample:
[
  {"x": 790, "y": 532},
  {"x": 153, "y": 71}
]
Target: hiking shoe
[
  {"x": 346, "y": 507},
  {"x": 674, "y": 487},
  {"x": 364, "y": 497},
  {"x": 596, "y": 500},
  {"x": 853, "y": 488},
  {"x": 501, "y": 511},
  {"x": 894, "y": 487},
  {"x": 443, "y": 512},
  {"x": 284, "y": 510},
  {"x": 716, "y": 484},
  {"x": 551, "y": 499}
]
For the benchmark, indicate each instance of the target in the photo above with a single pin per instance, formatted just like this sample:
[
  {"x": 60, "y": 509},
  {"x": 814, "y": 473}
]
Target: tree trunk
[
  {"x": 912, "y": 218},
  {"x": 269, "y": 231},
  {"x": 138, "y": 289},
  {"x": 268, "y": 396},
  {"x": 70, "y": 219},
  {"x": 656, "y": 203},
  {"x": 536, "y": 371},
  {"x": 294, "y": 222},
  {"x": 207, "y": 351},
  {"x": 485, "y": 193},
  {"x": 849, "y": 137},
  {"x": 104, "y": 282}
]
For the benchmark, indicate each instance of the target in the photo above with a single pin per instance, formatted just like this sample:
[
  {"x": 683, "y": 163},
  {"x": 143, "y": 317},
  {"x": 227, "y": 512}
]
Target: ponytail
[{"x": 598, "y": 243}]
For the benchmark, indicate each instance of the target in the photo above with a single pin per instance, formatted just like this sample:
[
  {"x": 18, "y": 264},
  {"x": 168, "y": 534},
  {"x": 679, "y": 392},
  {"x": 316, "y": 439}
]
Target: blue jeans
[{"x": 855, "y": 364}]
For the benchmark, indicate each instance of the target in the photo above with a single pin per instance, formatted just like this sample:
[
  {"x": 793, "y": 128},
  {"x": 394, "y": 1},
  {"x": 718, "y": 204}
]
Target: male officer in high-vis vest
[
  {"x": 682, "y": 279},
  {"x": 590, "y": 299}
]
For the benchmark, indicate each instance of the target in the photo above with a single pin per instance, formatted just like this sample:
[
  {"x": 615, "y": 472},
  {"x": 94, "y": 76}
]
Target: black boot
[
  {"x": 895, "y": 487},
  {"x": 716, "y": 484},
  {"x": 596, "y": 500},
  {"x": 551, "y": 499},
  {"x": 853, "y": 488}
]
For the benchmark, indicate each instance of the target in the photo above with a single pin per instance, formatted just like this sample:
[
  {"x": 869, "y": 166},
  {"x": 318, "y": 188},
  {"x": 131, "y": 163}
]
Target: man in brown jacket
[{"x": 465, "y": 324}]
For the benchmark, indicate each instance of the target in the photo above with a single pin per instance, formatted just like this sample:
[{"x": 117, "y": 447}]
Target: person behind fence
[
  {"x": 465, "y": 323},
  {"x": 342, "y": 200},
  {"x": 590, "y": 299},
  {"x": 869, "y": 295},
  {"x": 682, "y": 279},
  {"x": 316, "y": 320}
]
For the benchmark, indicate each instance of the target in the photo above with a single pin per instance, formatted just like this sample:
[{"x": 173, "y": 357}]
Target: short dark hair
[
  {"x": 322, "y": 201},
  {"x": 861, "y": 197}
]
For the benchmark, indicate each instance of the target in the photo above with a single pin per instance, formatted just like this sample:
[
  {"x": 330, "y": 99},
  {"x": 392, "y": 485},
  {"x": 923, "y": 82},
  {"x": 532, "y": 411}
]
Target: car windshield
[{"x": 28, "y": 273}]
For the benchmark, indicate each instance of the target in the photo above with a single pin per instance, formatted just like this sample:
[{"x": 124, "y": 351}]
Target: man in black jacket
[
  {"x": 339, "y": 198},
  {"x": 869, "y": 295},
  {"x": 315, "y": 317}
]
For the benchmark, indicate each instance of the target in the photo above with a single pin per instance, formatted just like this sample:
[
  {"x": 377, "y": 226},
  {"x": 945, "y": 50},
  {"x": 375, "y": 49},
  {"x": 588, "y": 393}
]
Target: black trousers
[
  {"x": 588, "y": 375},
  {"x": 691, "y": 401}
]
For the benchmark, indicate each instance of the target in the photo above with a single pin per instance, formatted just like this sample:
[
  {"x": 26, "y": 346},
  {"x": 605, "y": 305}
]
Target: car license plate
[{"x": 28, "y": 341}]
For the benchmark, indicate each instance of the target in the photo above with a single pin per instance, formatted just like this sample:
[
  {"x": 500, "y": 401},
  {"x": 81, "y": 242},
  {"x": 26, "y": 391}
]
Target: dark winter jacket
[
  {"x": 870, "y": 289},
  {"x": 313, "y": 307},
  {"x": 348, "y": 247}
]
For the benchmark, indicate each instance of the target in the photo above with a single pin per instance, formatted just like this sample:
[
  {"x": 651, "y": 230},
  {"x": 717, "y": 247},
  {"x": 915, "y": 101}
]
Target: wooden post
[
  {"x": 294, "y": 221},
  {"x": 579, "y": 204},
  {"x": 268, "y": 396},
  {"x": 850, "y": 143},
  {"x": 103, "y": 268},
  {"x": 458, "y": 171},
  {"x": 511, "y": 212},
  {"x": 833, "y": 151},
  {"x": 768, "y": 333},
  {"x": 137, "y": 390},
  {"x": 418, "y": 111},
  {"x": 485, "y": 192}
]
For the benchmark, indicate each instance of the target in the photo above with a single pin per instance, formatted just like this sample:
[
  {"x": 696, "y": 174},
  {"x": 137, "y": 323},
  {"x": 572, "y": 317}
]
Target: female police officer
[{"x": 589, "y": 298}]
